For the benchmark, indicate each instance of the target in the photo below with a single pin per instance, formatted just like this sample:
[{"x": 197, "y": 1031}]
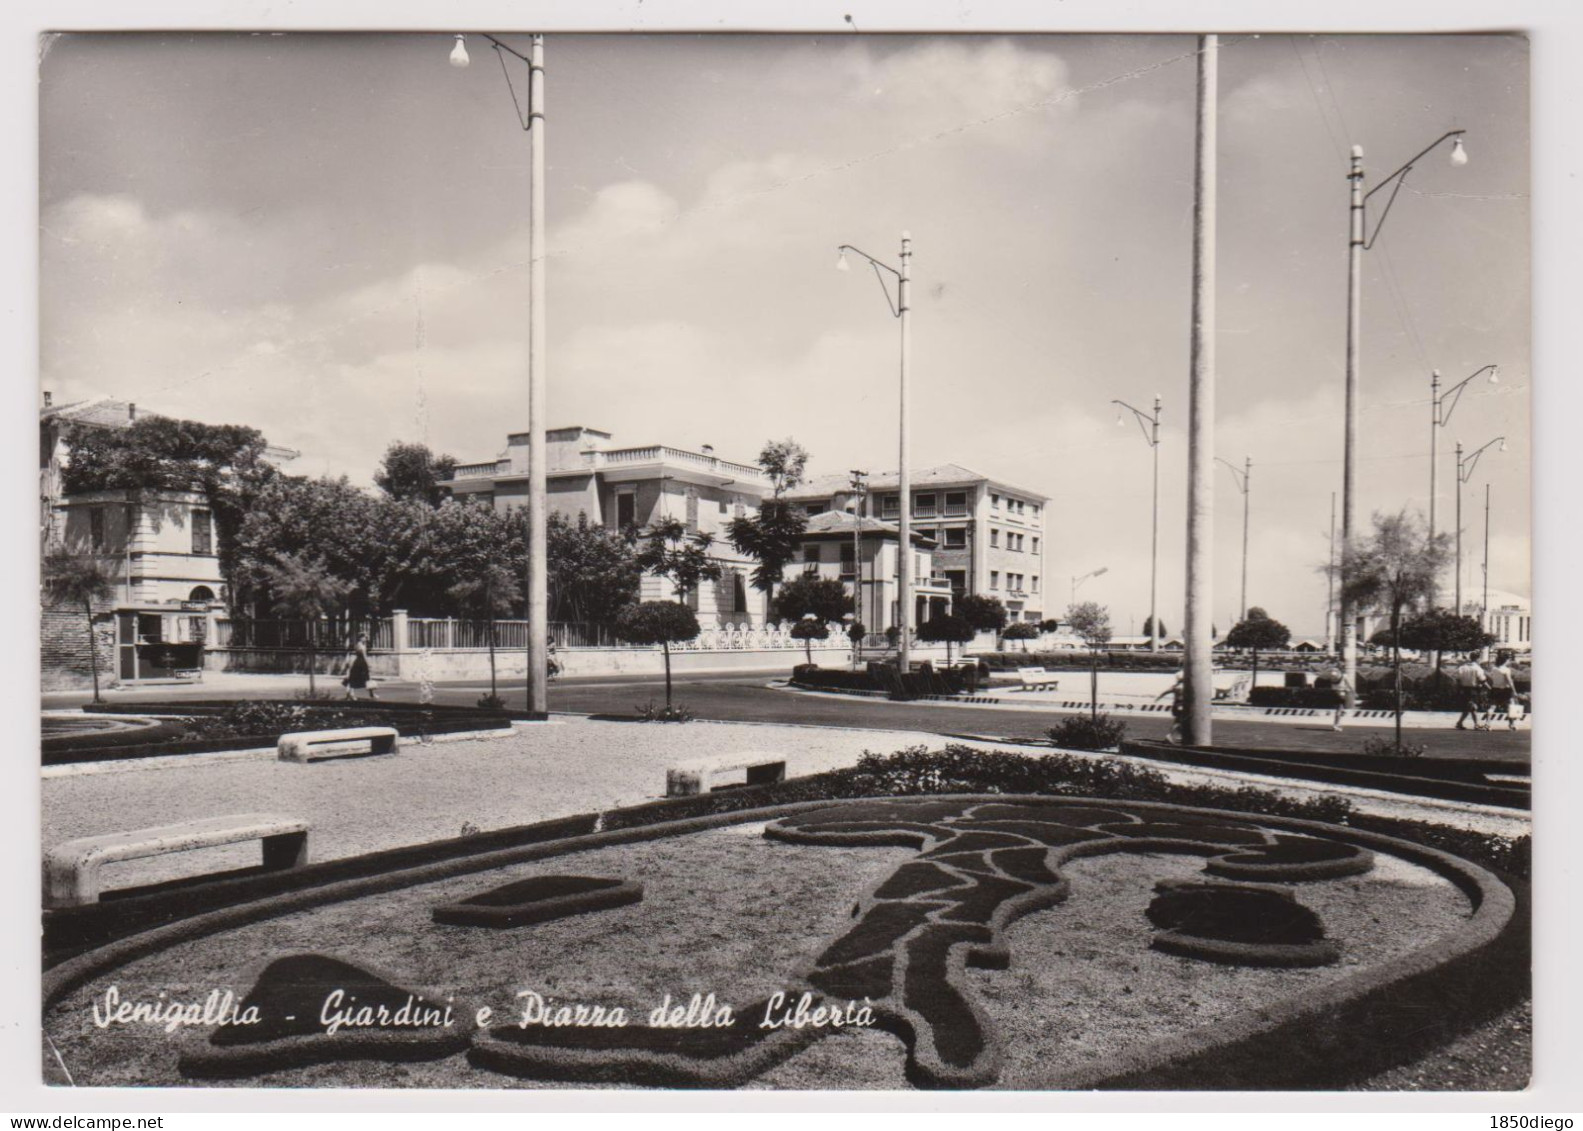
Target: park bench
[
  {"x": 71, "y": 869},
  {"x": 1037, "y": 679},
  {"x": 692, "y": 778},
  {"x": 315, "y": 745}
]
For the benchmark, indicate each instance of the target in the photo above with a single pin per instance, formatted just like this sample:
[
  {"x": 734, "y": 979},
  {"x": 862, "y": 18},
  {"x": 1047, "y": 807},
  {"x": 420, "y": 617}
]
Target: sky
[{"x": 324, "y": 236}]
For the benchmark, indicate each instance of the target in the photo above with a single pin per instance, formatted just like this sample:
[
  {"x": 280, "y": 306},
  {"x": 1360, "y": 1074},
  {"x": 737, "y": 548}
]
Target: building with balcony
[
  {"x": 988, "y": 535},
  {"x": 862, "y": 553},
  {"x": 637, "y": 487}
]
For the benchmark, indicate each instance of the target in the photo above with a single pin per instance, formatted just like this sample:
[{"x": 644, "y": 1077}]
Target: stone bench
[
  {"x": 694, "y": 778},
  {"x": 315, "y": 745},
  {"x": 71, "y": 869},
  {"x": 1037, "y": 679}
]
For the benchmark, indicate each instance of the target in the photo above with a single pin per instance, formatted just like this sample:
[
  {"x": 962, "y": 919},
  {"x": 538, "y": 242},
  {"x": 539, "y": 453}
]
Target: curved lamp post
[
  {"x": 899, "y": 310},
  {"x": 1359, "y": 240},
  {"x": 1244, "y": 481},
  {"x": 1150, "y": 424},
  {"x": 1441, "y": 406},
  {"x": 532, "y": 122},
  {"x": 1465, "y": 466}
]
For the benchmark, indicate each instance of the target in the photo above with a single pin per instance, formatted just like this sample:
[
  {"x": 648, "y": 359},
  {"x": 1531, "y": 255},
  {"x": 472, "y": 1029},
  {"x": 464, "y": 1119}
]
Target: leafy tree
[
  {"x": 949, "y": 629},
  {"x": 1438, "y": 631},
  {"x": 1022, "y": 630},
  {"x": 492, "y": 592},
  {"x": 771, "y": 537},
  {"x": 79, "y": 580},
  {"x": 1258, "y": 632},
  {"x": 1148, "y": 627},
  {"x": 824, "y": 597},
  {"x": 1091, "y": 621},
  {"x": 809, "y": 629},
  {"x": 1050, "y": 625},
  {"x": 985, "y": 614},
  {"x": 224, "y": 462},
  {"x": 658, "y": 622},
  {"x": 305, "y": 589},
  {"x": 412, "y": 471},
  {"x": 669, "y": 551},
  {"x": 594, "y": 571},
  {"x": 1391, "y": 571}
]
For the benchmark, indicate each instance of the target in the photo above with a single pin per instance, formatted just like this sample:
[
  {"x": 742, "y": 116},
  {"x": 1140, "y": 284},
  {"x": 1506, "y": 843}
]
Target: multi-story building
[
  {"x": 862, "y": 552},
  {"x": 637, "y": 487},
  {"x": 989, "y": 535}
]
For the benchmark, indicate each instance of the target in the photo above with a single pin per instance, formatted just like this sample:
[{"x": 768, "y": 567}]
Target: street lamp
[
  {"x": 1441, "y": 406},
  {"x": 1151, "y": 436},
  {"x": 1465, "y": 466},
  {"x": 899, "y": 310},
  {"x": 1076, "y": 581},
  {"x": 532, "y": 123},
  {"x": 1358, "y": 241},
  {"x": 1244, "y": 480}
]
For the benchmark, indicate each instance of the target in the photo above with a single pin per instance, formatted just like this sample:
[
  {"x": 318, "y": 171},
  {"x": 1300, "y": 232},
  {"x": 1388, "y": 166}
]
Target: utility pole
[
  {"x": 538, "y": 557},
  {"x": 1484, "y": 605},
  {"x": 1330, "y": 584},
  {"x": 904, "y": 480},
  {"x": 859, "y": 482},
  {"x": 1199, "y": 683}
]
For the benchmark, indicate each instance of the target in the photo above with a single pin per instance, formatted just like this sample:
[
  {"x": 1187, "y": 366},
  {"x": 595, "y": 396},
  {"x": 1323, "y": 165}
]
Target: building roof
[
  {"x": 941, "y": 475},
  {"x": 842, "y": 522},
  {"x": 108, "y": 412}
]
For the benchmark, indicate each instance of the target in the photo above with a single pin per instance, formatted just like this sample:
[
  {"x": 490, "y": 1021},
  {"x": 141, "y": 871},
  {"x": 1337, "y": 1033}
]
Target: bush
[
  {"x": 1378, "y": 747},
  {"x": 1324, "y": 698},
  {"x": 834, "y": 679},
  {"x": 1079, "y": 659},
  {"x": 492, "y": 703},
  {"x": 1086, "y": 732},
  {"x": 652, "y": 712}
]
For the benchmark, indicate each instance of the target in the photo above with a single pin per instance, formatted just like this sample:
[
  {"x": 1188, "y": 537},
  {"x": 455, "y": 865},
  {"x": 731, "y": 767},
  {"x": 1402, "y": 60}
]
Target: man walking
[
  {"x": 1471, "y": 682},
  {"x": 1502, "y": 689}
]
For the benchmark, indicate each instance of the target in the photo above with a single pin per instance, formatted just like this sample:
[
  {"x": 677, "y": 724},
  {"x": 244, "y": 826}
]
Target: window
[
  {"x": 739, "y": 590},
  {"x": 1036, "y": 545},
  {"x": 994, "y": 579},
  {"x": 202, "y": 533},
  {"x": 890, "y": 506},
  {"x": 1035, "y": 510},
  {"x": 848, "y": 557},
  {"x": 957, "y": 579},
  {"x": 722, "y": 506},
  {"x": 994, "y": 539},
  {"x": 955, "y": 538},
  {"x": 923, "y": 505},
  {"x": 96, "y": 529},
  {"x": 955, "y": 503},
  {"x": 994, "y": 501},
  {"x": 810, "y": 552},
  {"x": 626, "y": 510},
  {"x": 815, "y": 508},
  {"x": 1035, "y": 583}
]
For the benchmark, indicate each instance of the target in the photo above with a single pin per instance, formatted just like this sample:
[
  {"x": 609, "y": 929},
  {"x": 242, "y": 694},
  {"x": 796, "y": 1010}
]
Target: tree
[
  {"x": 79, "y": 580},
  {"x": 658, "y": 622},
  {"x": 772, "y": 536},
  {"x": 1050, "y": 625},
  {"x": 809, "y": 629},
  {"x": 1437, "y": 631},
  {"x": 1148, "y": 628},
  {"x": 824, "y": 597},
  {"x": 985, "y": 614},
  {"x": 594, "y": 571},
  {"x": 949, "y": 629},
  {"x": 412, "y": 471},
  {"x": 305, "y": 589},
  {"x": 1022, "y": 630},
  {"x": 1091, "y": 621},
  {"x": 669, "y": 551},
  {"x": 1257, "y": 632},
  {"x": 1390, "y": 571},
  {"x": 492, "y": 592},
  {"x": 224, "y": 462}
]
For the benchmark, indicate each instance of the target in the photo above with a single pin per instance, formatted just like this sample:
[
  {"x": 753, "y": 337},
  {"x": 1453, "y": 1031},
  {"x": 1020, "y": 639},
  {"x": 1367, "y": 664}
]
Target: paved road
[{"x": 747, "y": 698}]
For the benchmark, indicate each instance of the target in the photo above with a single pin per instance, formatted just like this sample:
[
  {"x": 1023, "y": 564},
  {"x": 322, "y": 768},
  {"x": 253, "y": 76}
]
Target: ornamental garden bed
[
  {"x": 1056, "y": 906},
  {"x": 206, "y": 726}
]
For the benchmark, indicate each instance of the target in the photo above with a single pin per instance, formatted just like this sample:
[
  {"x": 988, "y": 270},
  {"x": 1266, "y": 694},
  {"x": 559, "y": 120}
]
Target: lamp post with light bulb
[
  {"x": 899, "y": 310},
  {"x": 532, "y": 122},
  {"x": 1150, "y": 424},
  {"x": 1077, "y": 581},
  {"x": 1465, "y": 466},
  {"x": 1359, "y": 240},
  {"x": 1441, "y": 406}
]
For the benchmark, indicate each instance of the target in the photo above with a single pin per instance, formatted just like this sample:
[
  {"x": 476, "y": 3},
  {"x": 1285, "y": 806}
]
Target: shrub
[
  {"x": 1085, "y": 732},
  {"x": 652, "y": 712},
  {"x": 492, "y": 703},
  {"x": 834, "y": 679},
  {"x": 1380, "y": 747},
  {"x": 1324, "y": 698}
]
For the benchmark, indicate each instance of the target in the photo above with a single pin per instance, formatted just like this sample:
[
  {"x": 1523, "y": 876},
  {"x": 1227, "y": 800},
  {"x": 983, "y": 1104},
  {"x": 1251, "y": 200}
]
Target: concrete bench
[
  {"x": 71, "y": 869},
  {"x": 315, "y": 745},
  {"x": 693, "y": 778},
  {"x": 1037, "y": 679}
]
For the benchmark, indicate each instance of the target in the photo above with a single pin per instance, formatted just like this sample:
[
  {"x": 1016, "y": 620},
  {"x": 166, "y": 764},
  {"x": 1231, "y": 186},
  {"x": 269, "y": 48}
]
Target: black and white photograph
[{"x": 843, "y": 560}]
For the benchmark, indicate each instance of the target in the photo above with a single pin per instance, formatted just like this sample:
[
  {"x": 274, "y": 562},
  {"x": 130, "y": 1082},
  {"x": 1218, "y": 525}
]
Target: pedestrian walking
[
  {"x": 357, "y": 678},
  {"x": 1471, "y": 686},
  {"x": 1503, "y": 690},
  {"x": 1346, "y": 695},
  {"x": 1176, "y": 736}
]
